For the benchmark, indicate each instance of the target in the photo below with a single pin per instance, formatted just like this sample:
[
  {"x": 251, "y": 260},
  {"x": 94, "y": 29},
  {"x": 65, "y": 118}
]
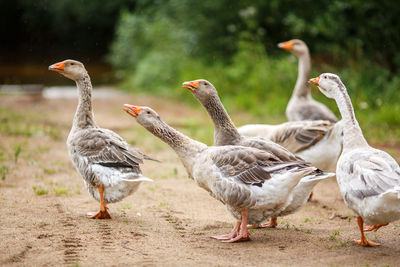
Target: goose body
[
  {"x": 226, "y": 134},
  {"x": 368, "y": 178},
  {"x": 252, "y": 183},
  {"x": 318, "y": 142},
  {"x": 301, "y": 105},
  {"x": 108, "y": 166}
]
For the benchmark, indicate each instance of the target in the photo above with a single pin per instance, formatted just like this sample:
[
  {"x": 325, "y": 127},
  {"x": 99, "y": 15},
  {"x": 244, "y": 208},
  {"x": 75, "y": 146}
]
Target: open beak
[
  {"x": 132, "y": 110},
  {"x": 192, "y": 86},
  {"x": 59, "y": 67},
  {"x": 286, "y": 45},
  {"x": 314, "y": 81}
]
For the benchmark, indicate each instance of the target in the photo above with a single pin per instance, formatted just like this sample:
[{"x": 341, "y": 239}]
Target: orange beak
[
  {"x": 314, "y": 81},
  {"x": 192, "y": 86},
  {"x": 132, "y": 110},
  {"x": 59, "y": 67},
  {"x": 286, "y": 45}
]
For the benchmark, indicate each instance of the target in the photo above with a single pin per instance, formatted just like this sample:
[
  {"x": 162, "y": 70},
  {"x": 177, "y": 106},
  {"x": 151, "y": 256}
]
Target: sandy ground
[{"x": 166, "y": 223}]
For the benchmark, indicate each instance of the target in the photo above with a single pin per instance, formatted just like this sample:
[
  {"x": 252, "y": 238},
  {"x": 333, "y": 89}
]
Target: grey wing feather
[
  {"x": 250, "y": 166},
  {"x": 277, "y": 151},
  {"x": 297, "y": 137},
  {"x": 372, "y": 175},
  {"x": 98, "y": 146}
]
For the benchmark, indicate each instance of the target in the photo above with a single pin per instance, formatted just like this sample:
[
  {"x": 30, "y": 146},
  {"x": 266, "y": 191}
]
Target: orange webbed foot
[
  {"x": 367, "y": 243},
  {"x": 374, "y": 227},
  {"x": 99, "y": 215}
]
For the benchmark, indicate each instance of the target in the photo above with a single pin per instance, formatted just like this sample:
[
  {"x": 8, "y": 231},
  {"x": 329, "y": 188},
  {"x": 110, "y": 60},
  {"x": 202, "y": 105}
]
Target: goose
[
  {"x": 368, "y": 178},
  {"x": 301, "y": 105},
  {"x": 252, "y": 183},
  {"x": 226, "y": 134},
  {"x": 108, "y": 166},
  {"x": 317, "y": 142}
]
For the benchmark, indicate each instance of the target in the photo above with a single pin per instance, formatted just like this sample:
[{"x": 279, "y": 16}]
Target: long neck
[
  {"x": 225, "y": 132},
  {"x": 353, "y": 136},
  {"x": 301, "y": 88},
  {"x": 84, "y": 114},
  {"x": 185, "y": 147}
]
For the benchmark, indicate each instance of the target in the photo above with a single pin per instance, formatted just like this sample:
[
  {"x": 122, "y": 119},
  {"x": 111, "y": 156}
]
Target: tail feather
[
  {"x": 137, "y": 179},
  {"x": 284, "y": 165}
]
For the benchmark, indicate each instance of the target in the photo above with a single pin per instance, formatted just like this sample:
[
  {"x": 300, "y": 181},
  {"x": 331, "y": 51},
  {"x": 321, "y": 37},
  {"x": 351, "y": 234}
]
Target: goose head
[
  {"x": 145, "y": 116},
  {"x": 329, "y": 84},
  {"x": 295, "y": 46},
  {"x": 201, "y": 89},
  {"x": 71, "y": 69}
]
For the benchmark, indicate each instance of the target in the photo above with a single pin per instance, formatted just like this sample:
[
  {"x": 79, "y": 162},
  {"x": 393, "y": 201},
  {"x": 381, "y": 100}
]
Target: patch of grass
[
  {"x": 307, "y": 220},
  {"x": 3, "y": 171},
  {"x": 77, "y": 191},
  {"x": 39, "y": 191},
  {"x": 334, "y": 235},
  {"x": 17, "y": 151},
  {"x": 308, "y": 231},
  {"x": 17, "y": 123},
  {"x": 163, "y": 204},
  {"x": 60, "y": 191},
  {"x": 125, "y": 220},
  {"x": 49, "y": 171},
  {"x": 126, "y": 207},
  {"x": 251, "y": 230}
]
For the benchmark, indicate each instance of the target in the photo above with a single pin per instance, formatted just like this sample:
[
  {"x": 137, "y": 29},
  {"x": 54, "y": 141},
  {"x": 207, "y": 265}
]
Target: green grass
[
  {"x": 40, "y": 191},
  {"x": 18, "y": 123},
  {"x": 49, "y": 171},
  {"x": 60, "y": 191},
  {"x": 334, "y": 235}
]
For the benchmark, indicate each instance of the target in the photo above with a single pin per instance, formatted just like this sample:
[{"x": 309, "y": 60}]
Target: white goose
[
  {"x": 369, "y": 179},
  {"x": 253, "y": 184},
  {"x": 226, "y": 134},
  {"x": 301, "y": 105},
  {"x": 108, "y": 166}
]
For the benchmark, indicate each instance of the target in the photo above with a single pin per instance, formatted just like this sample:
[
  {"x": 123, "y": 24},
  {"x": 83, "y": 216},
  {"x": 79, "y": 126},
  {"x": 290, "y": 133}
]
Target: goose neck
[
  {"x": 225, "y": 132},
  {"x": 84, "y": 115},
  {"x": 352, "y": 133},
  {"x": 301, "y": 88},
  {"x": 185, "y": 147}
]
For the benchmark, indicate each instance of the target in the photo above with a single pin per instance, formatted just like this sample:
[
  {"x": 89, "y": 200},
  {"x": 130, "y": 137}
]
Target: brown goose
[
  {"x": 108, "y": 166},
  {"x": 368, "y": 178},
  {"x": 301, "y": 105},
  {"x": 253, "y": 184}
]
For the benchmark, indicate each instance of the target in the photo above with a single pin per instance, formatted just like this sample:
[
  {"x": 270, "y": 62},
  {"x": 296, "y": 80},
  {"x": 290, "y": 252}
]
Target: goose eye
[
  {"x": 148, "y": 112},
  {"x": 325, "y": 77},
  {"x": 205, "y": 84}
]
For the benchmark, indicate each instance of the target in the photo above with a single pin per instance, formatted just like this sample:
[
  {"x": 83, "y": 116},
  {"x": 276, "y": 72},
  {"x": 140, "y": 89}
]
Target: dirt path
[{"x": 166, "y": 223}]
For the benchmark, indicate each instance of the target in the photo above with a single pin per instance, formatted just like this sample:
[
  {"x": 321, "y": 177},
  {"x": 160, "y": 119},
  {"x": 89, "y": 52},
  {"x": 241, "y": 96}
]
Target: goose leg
[
  {"x": 232, "y": 234},
  {"x": 272, "y": 223},
  {"x": 310, "y": 197},
  {"x": 103, "y": 213},
  {"x": 364, "y": 242},
  {"x": 244, "y": 233},
  {"x": 374, "y": 227}
]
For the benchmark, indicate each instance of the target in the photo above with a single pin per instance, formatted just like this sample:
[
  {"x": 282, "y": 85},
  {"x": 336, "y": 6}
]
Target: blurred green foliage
[{"x": 233, "y": 45}]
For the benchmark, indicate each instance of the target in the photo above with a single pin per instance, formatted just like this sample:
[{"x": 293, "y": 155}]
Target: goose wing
[
  {"x": 250, "y": 166},
  {"x": 101, "y": 147},
  {"x": 371, "y": 174},
  {"x": 299, "y": 136}
]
